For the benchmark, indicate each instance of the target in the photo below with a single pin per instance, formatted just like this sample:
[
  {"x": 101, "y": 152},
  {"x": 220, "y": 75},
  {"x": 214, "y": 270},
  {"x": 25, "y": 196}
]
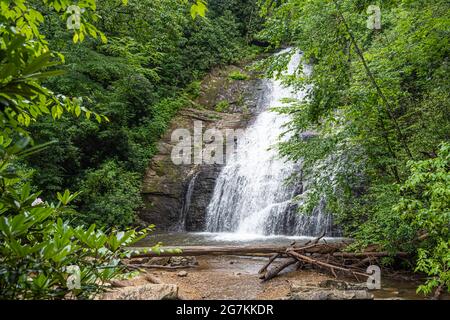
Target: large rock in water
[{"x": 165, "y": 184}]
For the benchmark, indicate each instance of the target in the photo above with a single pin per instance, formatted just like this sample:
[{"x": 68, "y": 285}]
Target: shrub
[
  {"x": 426, "y": 205},
  {"x": 41, "y": 254},
  {"x": 110, "y": 196},
  {"x": 238, "y": 75},
  {"x": 222, "y": 106}
]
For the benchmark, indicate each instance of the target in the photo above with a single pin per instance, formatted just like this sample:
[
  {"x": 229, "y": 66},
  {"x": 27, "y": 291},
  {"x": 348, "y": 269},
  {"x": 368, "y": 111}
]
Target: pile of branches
[
  {"x": 325, "y": 257},
  {"x": 317, "y": 253}
]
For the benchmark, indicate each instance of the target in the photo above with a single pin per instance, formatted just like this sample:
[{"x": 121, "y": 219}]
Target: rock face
[
  {"x": 223, "y": 103},
  {"x": 144, "y": 292},
  {"x": 329, "y": 290}
]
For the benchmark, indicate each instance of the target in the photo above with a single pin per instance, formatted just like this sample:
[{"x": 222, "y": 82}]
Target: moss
[
  {"x": 238, "y": 75},
  {"x": 222, "y": 106}
]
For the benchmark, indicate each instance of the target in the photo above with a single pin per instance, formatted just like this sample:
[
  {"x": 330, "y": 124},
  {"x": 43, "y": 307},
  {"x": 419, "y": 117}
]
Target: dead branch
[
  {"x": 276, "y": 270},
  {"x": 272, "y": 259},
  {"x": 326, "y": 265}
]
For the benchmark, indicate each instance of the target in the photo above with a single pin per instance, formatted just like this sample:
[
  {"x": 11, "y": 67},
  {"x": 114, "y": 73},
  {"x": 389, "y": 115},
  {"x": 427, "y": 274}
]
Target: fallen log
[
  {"x": 152, "y": 279},
  {"x": 318, "y": 252},
  {"x": 272, "y": 259},
  {"x": 272, "y": 273},
  {"x": 329, "y": 266},
  {"x": 237, "y": 250},
  {"x": 157, "y": 266}
]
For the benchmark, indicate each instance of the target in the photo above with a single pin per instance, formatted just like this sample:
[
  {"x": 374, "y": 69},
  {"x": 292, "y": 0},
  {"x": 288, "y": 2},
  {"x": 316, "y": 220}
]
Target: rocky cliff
[{"x": 224, "y": 103}]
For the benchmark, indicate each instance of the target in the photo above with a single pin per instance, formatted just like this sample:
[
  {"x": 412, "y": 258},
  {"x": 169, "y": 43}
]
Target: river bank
[{"x": 236, "y": 278}]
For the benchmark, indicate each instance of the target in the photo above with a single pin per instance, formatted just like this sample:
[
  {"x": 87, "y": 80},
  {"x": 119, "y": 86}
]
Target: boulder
[
  {"x": 337, "y": 291},
  {"x": 183, "y": 261},
  {"x": 144, "y": 292},
  {"x": 160, "y": 261}
]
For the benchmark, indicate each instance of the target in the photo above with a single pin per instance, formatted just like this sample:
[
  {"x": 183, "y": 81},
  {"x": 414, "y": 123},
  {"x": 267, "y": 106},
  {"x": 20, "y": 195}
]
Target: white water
[
  {"x": 187, "y": 203},
  {"x": 251, "y": 197}
]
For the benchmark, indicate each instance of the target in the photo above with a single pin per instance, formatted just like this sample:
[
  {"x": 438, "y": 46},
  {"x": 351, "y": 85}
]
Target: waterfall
[
  {"x": 187, "y": 203},
  {"x": 251, "y": 195}
]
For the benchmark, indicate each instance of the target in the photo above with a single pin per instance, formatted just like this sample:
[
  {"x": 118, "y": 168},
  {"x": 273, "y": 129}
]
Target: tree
[{"x": 378, "y": 100}]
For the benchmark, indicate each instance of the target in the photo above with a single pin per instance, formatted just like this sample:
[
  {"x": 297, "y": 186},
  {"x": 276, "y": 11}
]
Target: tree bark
[{"x": 321, "y": 248}]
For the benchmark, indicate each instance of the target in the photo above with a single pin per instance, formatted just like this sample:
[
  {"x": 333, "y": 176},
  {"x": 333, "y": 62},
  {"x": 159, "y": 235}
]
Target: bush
[
  {"x": 222, "y": 106},
  {"x": 110, "y": 196},
  {"x": 41, "y": 254},
  {"x": 238, "y": 75},
  {"x": 425, "y": 204}
]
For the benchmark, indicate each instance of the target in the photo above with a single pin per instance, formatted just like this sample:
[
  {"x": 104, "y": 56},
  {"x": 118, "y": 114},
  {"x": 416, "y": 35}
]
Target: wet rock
[
  {"x": 342, "y": 285},
  {"x": 300, "y": 291},
  {"x": 182, "y": 274},
  {"x": 144, "y": 292},
  {"x": 183, "y": 261},
  {"x": 160, "y": 261},
  {"x": 140, "y": 260},
  {"x": 307, "y": 135},
  {"x": 201, "y": 196},
  {"x": 165, "y": 183}
]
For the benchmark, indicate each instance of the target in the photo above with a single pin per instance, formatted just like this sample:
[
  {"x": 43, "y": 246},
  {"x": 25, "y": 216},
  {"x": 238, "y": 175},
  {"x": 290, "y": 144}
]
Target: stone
[
  {"x": 160, "y": 261},
  {"x": 140, "y": 260},
  {"x": 165, "y": 184},
  {"x": 342, "y": 285},
  {"x": 144, "y": 292},
  {"x": 183, "y": 261},
  {"x": 307, "y": 135},
  {"x": 301, "y": 291},
  {"x": 182, "y": 274}
]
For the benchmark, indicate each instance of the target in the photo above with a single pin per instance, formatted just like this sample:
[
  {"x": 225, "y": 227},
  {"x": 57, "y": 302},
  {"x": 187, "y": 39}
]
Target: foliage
[
  {"x": 42, "y": 254},
  {"x": 222, "y": 106},
  {"x": 149, "y": 69},
  {"x": 425, "y": 204},
  {"x": 435, "y": 264},
  {"x": 25, "y": 60},
  {"x": 377, "y": 102},
  {"x": 111, "y": 196},
  {"x": 238, "y": 75}
]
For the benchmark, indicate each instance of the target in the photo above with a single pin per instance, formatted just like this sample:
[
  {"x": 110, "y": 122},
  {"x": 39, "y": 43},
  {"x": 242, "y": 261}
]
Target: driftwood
[
  {"x": 157, "y": 266},
  {"x": 152, "y": 279},
  {"x": 275, "y": 271},
  {"x": 316, "y": 253},
  {"x": 321, "y": 248},
  {"x": 272, "y": 258},
  {"x": 328, "y": 257}
]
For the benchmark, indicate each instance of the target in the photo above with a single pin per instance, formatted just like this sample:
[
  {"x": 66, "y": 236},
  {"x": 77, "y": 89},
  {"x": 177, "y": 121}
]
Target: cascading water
[
  {"x": 251, "y": 195},
  {"x": 187, "y": 203}
]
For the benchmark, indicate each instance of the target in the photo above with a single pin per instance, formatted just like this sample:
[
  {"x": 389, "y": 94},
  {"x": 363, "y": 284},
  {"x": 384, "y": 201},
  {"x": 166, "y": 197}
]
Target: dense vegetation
[
  {"x": 148, "y": 69},
  {"x": 379, "y": 109},
  {"x": 82, "y": 109},
  {"x": 126, "y": 88}
]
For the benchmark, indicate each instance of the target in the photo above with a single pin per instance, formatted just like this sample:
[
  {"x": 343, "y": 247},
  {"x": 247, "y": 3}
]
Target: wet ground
[{"x": 232, "y": 277}]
